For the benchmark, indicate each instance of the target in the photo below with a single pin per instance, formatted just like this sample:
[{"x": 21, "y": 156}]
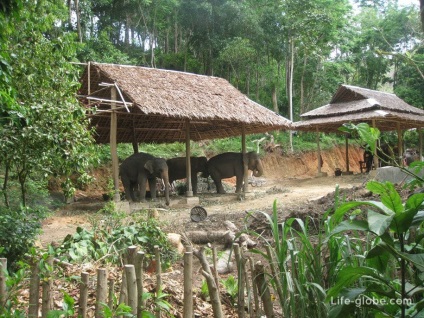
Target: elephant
[
  {"x": 139, "y": 168},
  {"x": 230, "y": 164},
  {"x": 177, "y": 169},
  {"x": 409, "y": 156}
]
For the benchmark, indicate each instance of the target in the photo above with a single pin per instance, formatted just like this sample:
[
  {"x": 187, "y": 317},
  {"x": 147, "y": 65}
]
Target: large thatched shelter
[
  {"x": 132, "y": 104},
  {"x": 352, "y": 104},
  {"x": 154, "y": 105}
]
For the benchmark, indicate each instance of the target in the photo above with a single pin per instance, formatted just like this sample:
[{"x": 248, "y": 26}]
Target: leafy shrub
[
  {"x": 18, "y": 231},
  {"x": 110, "y": 240}
]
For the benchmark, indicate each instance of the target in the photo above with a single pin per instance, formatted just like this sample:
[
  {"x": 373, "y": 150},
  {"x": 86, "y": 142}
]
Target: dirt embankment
[{"x": 304, "y": 165}]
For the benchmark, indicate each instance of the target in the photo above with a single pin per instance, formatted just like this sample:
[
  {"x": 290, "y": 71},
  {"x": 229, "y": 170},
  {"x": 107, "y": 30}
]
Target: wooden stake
[
  {"x": 139, "y": 272},
  {"x": 263, "y": 289},
  {"x": 82, "y": 310},
  {"x": 213, "y": 290},
  {"x": 101, "y": 292},
  {"x": 34, "y": 290},
  {"x": 241, "y": 278},
  {"x": 188, "y": 287},
  {"x": 47, "y": 301},
  {"x": 132, "y": 288},
  {"x": 3, "y": 290}
]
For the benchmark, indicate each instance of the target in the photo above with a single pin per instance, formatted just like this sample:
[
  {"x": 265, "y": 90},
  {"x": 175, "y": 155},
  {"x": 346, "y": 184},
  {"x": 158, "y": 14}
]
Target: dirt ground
[{"x": 291, "y": 180}]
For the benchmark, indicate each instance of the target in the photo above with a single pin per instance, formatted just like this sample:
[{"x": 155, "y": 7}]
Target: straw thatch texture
[
  {"x": 356, "y": 104},
  {"x": 160, "y": 102}
]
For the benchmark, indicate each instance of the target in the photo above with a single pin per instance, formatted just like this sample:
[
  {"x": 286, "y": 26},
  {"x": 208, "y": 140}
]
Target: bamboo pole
[
  {"x": 347, "y": 153},
  {"x": 101, "y": 292},
  {"x": 420, "y": 139},
  {"x": 132, "y": 288},
  {"x": 82, "y": 310},
  {"x": 188, "y": 287},
  {"x": 139, "y": 272},
  {"x": 47, "y": 301},
  {"x": 240, "y": 282},
  {"x": 263, "y": 289},
  {"x": 34, "y": 290},
  {"x": 3, "y": 271}
]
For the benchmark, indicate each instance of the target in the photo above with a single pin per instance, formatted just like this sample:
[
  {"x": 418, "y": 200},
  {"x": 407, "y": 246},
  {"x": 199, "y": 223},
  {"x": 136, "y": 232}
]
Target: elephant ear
[{"x": 149, "y": 166}]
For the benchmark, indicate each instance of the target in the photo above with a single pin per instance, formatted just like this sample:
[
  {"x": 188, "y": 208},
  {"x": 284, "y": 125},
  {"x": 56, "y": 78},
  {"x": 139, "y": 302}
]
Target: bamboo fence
[{"x": 253, "y": 299}]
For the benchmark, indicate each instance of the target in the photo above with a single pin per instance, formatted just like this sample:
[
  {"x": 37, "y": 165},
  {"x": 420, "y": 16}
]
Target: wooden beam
[
  {"x": 245, "y": 168},
  {"x": 189, "y": 192},
  {"x": 113, "y": 147}
]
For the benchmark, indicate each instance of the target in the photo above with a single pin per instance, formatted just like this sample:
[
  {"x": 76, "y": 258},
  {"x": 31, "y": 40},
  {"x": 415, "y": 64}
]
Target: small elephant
[
  {"x": 177, "y": 169},
  {"x": 139, "y": 168},
  {"x": 409, "y": 156},
  {"x": 230, "y": 164}
]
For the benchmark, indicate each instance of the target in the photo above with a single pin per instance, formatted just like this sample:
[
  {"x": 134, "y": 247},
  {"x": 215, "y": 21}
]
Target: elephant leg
[
  {"x": 194, "y": 183},
  {"x": 142, "y": 186},
  {"x": 239, "y": 183},
  {"x": 128, "y": 187},
  {"x": 152, "y": 187},
  {"x": 217, "y": 180}
]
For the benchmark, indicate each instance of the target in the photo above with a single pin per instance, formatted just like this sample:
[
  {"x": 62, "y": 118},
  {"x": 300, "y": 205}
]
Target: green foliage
[
  {"x": 15, "y": 282},
  {"x": 390, "y": 222},
  {"x": 18, "y": 231},
  {"x": 68, "y": 309},
  {"x": 155, "y": 303},
  {"x": 231, "y": 287},
  {"x": 204, "y": 290},
  {"x": 108, "y": 240}
]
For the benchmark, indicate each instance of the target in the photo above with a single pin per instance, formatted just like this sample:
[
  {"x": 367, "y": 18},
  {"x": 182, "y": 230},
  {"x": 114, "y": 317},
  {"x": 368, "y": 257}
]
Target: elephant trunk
[
  {"x": 259, "y": 171},
  {"x": 166, "y": 182}
]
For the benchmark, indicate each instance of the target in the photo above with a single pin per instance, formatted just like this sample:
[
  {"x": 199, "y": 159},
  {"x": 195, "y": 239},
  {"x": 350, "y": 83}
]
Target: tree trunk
[
  {"x": 78, "y": 13},
  {"x": 422, "y": 14}
]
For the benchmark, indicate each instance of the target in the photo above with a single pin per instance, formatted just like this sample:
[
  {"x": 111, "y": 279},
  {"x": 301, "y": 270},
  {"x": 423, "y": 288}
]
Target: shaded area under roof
[
  {"x": 355, "y": 104},
  {"x": 155, "y": 105}
]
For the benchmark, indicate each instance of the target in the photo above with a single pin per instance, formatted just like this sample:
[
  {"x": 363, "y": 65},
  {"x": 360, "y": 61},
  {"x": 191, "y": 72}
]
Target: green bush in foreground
[{"x": 18, "y": 231}]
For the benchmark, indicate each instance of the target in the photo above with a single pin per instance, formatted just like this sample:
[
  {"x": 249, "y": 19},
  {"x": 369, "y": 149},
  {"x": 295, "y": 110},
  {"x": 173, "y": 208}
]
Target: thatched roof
[
  {"x": 158, "y": 103},
  {"x": 356, "y": 104}
]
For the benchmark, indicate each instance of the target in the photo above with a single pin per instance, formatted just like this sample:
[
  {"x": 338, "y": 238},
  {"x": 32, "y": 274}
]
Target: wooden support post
[
  {"x": 319, "y": 153},
  {"x": 188, "y": 287},
  {"x": 101, "y": 292},
  {"x": 375, "y": 157},
  {"x": 400, "y": 144},
  {"x": 347, "y": 153},
  {"x": 113, "y": 145},
  {"x": 420, "y": 136},
  {"x": 189, "y": 192},
  {"x": 245, "y": 168},
  {"x": 82, "y": 310}
]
